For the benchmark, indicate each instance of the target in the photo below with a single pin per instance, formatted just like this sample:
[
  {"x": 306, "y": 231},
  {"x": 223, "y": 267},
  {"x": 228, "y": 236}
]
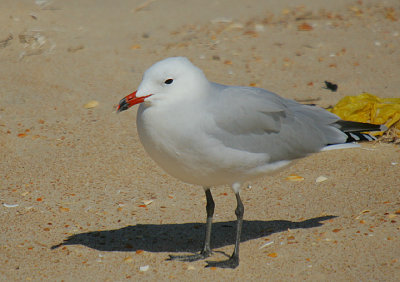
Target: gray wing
[{"x": 258, "y": 121}]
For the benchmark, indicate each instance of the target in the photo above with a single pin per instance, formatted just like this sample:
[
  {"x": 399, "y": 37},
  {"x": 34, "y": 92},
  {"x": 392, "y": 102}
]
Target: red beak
[{"x": 129, "y": 101}]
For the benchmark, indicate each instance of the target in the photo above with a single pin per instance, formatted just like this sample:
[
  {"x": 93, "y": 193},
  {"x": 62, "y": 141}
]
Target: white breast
[{"x": 185, "y": 150}]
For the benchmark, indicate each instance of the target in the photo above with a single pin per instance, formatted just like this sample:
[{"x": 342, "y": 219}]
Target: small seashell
[
  {"x": 294, "y": 178},
  {"x": 10, "y": 206},
  {"x": 146, "y": 203},
  {"x": 266, "y": 244},
  {"x": 91, "y": 104},
  {"x": 321, "y": 179}
]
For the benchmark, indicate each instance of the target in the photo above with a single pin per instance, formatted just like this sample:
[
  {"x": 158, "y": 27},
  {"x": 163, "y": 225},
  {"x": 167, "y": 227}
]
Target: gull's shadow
[{"x": 185, "y": 237}]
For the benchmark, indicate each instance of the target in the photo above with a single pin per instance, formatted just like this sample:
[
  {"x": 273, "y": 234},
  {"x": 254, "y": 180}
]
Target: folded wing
[{"x": 257, "y": 121}]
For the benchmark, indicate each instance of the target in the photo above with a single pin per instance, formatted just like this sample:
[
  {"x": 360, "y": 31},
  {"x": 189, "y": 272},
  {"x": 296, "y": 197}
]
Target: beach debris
[
  {"x": 331, "y": 86},
  {"x": 62, "y": 209},
  {"x": 294, "y": 178},
  {"x": 369, "y": 108},
  {"x": 10, "y": 205},
  {"x": 392, "y": 135},
  {"x": 144, "y": 268},
  {"x": 307, "y": 100},
  {"x": 321, "y": 179},
  {"x": 304, "y": 27},
  {"x": 272, "y": 255},
  {"x": 147, "y": 202},
  {"x": 91, "y": 104},
  {"x": 266, "y": 244}
]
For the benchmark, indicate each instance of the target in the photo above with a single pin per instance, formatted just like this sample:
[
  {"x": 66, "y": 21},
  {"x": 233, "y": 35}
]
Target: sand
[{"x": 76, "y": 185}]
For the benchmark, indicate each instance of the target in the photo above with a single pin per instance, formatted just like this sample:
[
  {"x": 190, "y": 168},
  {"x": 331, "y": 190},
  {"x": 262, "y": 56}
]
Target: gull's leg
[
  {"x": 206, "y": 252},
  {"x": 233, "y": 261},
  {"x": 210, "y": 212}
]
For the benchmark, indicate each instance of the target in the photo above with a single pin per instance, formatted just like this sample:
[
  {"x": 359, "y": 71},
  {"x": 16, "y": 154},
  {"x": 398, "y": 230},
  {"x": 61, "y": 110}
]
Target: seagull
[{"x": 211, "y": 134}]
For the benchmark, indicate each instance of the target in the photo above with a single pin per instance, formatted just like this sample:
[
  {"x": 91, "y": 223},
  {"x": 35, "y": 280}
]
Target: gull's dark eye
[{"x": 168, "y": 81}]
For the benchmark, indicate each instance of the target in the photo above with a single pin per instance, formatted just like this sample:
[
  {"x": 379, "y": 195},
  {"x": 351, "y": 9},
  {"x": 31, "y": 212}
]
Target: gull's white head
[{"x": 171, "y": 79}]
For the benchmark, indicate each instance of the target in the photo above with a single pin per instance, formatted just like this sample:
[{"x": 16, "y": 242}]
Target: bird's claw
[
  {"x": 190, "y": 258},
  {"x": 232, "y": 262}
]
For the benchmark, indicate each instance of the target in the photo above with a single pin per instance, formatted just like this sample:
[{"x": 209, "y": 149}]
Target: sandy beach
[{"x": 81, "y": 200}]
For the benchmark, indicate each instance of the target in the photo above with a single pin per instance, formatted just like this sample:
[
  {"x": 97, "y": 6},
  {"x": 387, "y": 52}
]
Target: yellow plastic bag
[{"x": 369, "y": 108}]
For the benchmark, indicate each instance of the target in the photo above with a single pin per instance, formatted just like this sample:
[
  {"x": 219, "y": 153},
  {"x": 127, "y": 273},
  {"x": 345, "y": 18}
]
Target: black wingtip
[
  {"x": 353, "y": 126},
  {"x": 359, "y": 137}
]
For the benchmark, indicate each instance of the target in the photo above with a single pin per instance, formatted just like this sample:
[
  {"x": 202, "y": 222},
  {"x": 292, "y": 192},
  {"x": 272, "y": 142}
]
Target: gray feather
[{"x": 263, "y": 122}]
